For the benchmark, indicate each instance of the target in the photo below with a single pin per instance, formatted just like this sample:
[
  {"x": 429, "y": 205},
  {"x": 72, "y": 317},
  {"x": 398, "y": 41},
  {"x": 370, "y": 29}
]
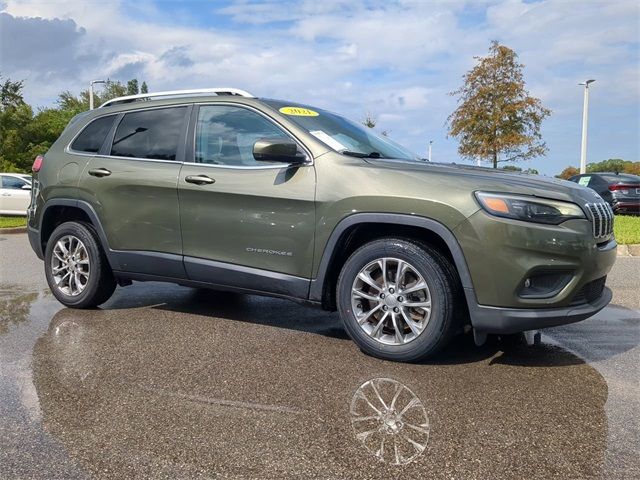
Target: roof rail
[{"x": 177, "y": 93}]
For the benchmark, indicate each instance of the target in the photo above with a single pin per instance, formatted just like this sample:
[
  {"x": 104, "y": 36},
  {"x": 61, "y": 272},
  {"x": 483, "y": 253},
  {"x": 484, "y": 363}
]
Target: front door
[
  {"x": 132, "y": 186},
  {"x": 244, "y": 222}
]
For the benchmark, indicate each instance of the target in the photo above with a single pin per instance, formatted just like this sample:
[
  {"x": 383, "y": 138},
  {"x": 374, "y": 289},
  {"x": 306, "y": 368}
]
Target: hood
[{"x": 491, "y": 180}]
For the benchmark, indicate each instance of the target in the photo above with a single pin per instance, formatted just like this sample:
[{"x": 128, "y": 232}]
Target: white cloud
[{"x": 396, "y": 59}]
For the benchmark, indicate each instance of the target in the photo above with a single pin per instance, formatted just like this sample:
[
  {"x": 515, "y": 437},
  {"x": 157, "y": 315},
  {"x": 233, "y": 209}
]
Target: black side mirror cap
[{"x": 277, "y": 150}]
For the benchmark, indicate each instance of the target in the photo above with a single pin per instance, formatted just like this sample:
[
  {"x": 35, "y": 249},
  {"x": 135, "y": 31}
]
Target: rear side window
[
  {"x": 93, "y": 135},
  {"x": 153, "y": 134}
]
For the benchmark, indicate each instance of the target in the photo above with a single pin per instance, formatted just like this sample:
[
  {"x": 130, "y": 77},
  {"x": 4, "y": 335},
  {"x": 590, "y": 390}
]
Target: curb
[
  {"x": 632, "y": 250},
  {"x": 13, "y": 230}
]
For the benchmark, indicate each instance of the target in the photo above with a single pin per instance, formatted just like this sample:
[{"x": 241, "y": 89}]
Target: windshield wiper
[{"x": 360, "y": 154}]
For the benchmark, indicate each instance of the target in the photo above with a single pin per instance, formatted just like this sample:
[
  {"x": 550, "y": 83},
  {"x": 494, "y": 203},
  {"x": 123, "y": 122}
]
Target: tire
[
  {"x": 432, "y": 329},
  {"x": 83, "y": 282}
]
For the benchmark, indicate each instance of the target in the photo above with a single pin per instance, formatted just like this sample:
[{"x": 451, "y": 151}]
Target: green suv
[{"x": 215, "y": 188}]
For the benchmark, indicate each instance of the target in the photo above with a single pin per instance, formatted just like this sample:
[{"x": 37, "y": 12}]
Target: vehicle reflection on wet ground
[{"x": 172, "y": 382}]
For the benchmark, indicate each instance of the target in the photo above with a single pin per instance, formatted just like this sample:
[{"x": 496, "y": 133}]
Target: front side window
[
  {"x": 340, "y": 134},
  {"x": 12, "y": 183},
  {"x": 225, "y": 135},
  {"x": 152, "y": 134},
  {"x": 93, "y": 135}
]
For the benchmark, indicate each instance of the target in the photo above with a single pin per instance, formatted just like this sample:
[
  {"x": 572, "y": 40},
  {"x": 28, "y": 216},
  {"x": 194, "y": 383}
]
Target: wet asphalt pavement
[{"x": 170, "y": 382}]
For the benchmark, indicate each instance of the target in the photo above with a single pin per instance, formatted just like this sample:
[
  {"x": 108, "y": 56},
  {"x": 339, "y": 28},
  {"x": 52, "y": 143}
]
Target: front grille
[
  {"x": 589, "y": 292},
  {"x": 601, "y": 219}
]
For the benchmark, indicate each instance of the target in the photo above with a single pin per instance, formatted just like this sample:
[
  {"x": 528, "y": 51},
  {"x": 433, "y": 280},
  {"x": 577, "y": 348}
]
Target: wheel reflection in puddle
[{"x": 390, "y": 421}]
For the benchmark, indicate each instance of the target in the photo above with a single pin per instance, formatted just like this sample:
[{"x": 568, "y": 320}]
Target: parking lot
[{"x": 171, "y": 382}]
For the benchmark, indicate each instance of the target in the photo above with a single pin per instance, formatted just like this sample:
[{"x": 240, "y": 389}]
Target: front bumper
[
  {"x": 502, "y": 254},
  {"x": 513, "y": 320}
]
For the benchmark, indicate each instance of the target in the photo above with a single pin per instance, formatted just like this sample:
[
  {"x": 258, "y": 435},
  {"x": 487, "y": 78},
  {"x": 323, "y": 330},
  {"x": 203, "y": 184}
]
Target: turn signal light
[{"x": 37, "y": 163}]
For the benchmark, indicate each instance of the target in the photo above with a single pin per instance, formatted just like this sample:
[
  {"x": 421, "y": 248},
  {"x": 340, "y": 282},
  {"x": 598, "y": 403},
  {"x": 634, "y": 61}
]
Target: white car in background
[{"x": 15, "y": 193}]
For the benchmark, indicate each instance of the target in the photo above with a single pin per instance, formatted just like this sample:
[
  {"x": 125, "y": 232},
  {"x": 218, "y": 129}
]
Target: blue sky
[{"x": 394, "y": 59}]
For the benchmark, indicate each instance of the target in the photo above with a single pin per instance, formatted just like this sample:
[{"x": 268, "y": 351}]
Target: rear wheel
[
  {"x": 396, "y": 299},
  {"x": 76, "y": 268}
]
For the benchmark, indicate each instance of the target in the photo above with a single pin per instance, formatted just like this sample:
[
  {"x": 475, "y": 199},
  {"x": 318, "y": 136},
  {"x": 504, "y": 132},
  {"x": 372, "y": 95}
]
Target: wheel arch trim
[
  {"x": 93, "y": 216},
  {"x": 428, "y": 224}
]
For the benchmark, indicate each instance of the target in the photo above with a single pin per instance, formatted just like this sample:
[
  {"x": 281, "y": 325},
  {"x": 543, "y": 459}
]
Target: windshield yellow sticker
[{"x": 298, "y": 111}]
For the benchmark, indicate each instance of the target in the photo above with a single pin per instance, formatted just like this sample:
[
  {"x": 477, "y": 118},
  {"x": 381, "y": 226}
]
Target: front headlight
[{"x": 528, "y": 209}]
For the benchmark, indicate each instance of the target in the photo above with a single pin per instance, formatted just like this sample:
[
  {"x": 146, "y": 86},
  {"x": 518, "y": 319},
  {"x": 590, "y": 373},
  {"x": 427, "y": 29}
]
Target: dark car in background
[{"x": 620, "y": 190}]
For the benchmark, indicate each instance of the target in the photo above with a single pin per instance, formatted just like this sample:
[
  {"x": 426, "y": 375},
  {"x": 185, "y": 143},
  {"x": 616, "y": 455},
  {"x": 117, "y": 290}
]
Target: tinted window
[
  {"x": 596, "y": 181},
  {"x": 149, "y": 134},
  {"x": 225, "y": 135},
  {"x": 13, "y": 182},
  {"x": 92, "y": 137}
]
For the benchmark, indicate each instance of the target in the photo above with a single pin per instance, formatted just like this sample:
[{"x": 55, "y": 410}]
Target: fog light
[{"x": 544, "y": 284}]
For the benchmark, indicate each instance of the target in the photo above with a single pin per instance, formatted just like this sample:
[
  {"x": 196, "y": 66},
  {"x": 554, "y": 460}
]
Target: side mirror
[
  {"x": 26, "y": 186},
  {"x": 277, "y": 150}
]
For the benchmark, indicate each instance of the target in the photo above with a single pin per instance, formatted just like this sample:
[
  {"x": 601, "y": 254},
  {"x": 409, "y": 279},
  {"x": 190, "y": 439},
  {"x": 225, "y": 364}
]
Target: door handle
[
  {"x": 199, "y": 179},
  {"x": 100, "y": 172}
]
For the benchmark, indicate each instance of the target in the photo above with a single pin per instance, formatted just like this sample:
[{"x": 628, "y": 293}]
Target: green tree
[
  {"x": 617, "y": 165},
  {"x": 10, "y": 94},
  {"x": 144, "y": 88},
  {"x": 132, "y": 87},
  {"x": 496, "y": 119},
  {"x": 112, "y": 89},
  {"x": 15, "y": 117},
  {"x": 611, "y": 165}
]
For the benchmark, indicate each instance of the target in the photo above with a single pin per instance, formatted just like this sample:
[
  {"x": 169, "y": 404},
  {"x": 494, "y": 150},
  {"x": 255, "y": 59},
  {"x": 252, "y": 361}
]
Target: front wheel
[
  {"x": 76, "y": 268},
  {"x": 396, "y": 299}
]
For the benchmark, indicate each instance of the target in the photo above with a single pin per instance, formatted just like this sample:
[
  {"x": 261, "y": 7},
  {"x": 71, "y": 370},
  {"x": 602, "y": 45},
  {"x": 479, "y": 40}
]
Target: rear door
[
  {"x": 132, "y": 186},
  {"x": 248, "y": 213}
]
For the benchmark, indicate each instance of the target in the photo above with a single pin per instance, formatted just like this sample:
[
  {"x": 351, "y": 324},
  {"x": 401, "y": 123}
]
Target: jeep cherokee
[{"x": 215, "y": 188}]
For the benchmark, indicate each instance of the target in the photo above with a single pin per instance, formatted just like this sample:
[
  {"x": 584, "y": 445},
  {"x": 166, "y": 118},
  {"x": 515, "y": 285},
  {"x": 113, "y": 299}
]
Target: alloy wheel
[
  {"x": 70, "y": 265},
  {"x": 391, "y": 301}
]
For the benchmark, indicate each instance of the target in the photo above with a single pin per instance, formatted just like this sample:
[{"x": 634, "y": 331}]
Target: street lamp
[
  {"x": 585, "y": 120},
  {"x": 429, "y": 154},
  {"x": 91, "y": 92}
]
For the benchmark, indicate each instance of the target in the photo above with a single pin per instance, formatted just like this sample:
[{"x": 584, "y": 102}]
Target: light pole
[
  {"x": 91, "y": 92},
  {"x": 585, "y": 121},
  {"x": 429, "y": 153}
]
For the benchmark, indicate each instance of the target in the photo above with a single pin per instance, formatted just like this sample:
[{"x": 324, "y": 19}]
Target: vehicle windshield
[{"x": 342, "y": 135}]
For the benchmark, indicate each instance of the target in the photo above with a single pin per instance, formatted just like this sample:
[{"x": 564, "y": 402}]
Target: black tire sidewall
[
  {"x": 437, "y": 330},
  {"x": 91, "y": 291}
]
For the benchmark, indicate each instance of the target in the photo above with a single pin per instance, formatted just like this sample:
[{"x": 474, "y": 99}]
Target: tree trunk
[{"x": 495, "y": 159}]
